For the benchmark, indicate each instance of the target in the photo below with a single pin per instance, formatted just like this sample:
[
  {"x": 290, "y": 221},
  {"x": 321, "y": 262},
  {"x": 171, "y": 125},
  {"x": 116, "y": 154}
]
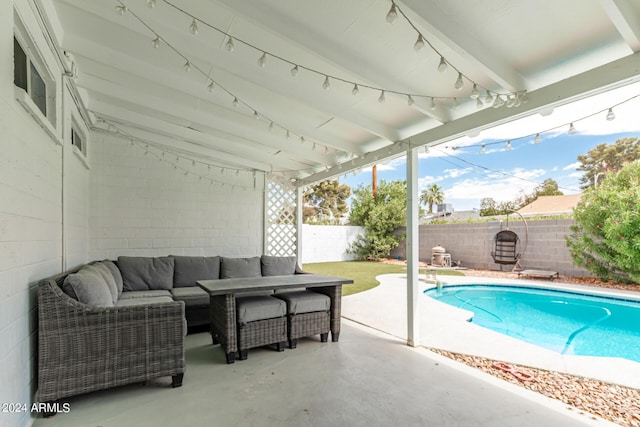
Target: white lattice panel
[{"x": 281, "y": 220}]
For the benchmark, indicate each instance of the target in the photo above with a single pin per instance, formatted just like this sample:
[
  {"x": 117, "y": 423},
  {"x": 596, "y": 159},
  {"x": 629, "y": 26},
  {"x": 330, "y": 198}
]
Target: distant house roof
[{"x": 548, "y": 205}]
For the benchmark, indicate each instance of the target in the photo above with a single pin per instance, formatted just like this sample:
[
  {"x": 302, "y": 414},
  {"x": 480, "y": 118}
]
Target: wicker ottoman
[
  {"x": 261, "y": 321},
  {"x": 307, "y": 315}
]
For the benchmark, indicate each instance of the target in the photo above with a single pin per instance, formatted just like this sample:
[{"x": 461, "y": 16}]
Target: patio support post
[
  {"x": 413, "y": 315},
  {"x": 299, "y": 208}
]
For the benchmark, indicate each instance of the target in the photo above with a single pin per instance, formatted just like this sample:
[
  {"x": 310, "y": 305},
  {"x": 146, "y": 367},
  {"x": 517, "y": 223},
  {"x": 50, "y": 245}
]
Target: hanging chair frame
[{"x": 505, "y": 250}]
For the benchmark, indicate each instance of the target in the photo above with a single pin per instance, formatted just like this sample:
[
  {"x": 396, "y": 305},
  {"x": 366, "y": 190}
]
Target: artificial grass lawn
[{"x": 363, "y": 273}]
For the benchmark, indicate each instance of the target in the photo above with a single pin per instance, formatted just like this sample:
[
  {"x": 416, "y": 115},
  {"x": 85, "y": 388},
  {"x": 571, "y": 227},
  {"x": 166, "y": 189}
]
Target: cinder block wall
[
  {"x": 141, "y": 206},
  {"x": 472, "y": 243}
]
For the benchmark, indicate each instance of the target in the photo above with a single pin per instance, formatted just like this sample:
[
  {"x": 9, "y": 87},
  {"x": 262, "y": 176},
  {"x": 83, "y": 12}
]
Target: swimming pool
[{"x": 561, "y": 321}]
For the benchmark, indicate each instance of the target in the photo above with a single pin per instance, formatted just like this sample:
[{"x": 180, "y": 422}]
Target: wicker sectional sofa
[{"x": 110, "y": 323}]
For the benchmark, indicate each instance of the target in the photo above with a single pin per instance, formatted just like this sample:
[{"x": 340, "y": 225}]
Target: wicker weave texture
[
  {"x": 335, "y": 293},
  {"x": 262, "y": 332},
  {"x": 222, "y": 311},
  {"x": 83, "y": 349},
  {"x": 308, "y": 324}
]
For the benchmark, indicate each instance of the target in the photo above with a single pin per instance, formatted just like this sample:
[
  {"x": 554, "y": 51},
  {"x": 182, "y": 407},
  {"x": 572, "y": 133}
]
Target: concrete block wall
[
  {"x": 326, "y": 243},
  {"x": 141, "y": 206},
  {"x": 472, "y": 244},
  {"x": 39, "y": 175}
]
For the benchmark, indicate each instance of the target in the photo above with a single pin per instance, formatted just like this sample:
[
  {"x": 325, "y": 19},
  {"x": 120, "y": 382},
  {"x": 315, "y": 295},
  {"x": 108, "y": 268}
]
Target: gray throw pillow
[
  {"x": 89, "y": 287},
  {"x": 108, "y": 278},
  {"x": 235, "y": 268},
  {"x": 142, "y": 273},
  {"x": 189, "y": 269},
  {"x": 115, "y": 273},
  {"x": 278, "y": 265}
]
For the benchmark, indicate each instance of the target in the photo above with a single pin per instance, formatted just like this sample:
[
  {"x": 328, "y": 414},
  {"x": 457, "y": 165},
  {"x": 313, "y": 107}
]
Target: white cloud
[
  {"x": 499, "y": 187},
  {"x": 572, "y": 166},
  {"x": 454, "y": 173}
]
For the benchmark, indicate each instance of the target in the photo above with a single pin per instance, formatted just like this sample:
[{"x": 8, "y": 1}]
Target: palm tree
[{"x": 432, "y": 196}]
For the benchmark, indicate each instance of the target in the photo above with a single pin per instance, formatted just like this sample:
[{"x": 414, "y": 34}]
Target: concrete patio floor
[
  {"x": 367, "y": 379},
  {"x": 445, "y": 327}
]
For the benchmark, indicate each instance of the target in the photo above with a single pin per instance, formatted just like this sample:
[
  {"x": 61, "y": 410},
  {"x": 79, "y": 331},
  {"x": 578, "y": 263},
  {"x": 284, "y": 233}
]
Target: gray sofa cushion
[
  {"x": 189, "y": 269},
  {"x": 192, "y": 296},
  {"x": 142, "y": 301},
  {"x": 152, "y": 293},
  {"x": 253, "y": 308},
  {"x": 278, "y": 265},
  {"x": 108, "y": 277},
  {"x": 115, "y": 273},
  {"x": 305, "y": 301},
  {"x": 234, "y": 268},
  {"x": 89, "y": 287},
  {"x": 142, "y": 273}
]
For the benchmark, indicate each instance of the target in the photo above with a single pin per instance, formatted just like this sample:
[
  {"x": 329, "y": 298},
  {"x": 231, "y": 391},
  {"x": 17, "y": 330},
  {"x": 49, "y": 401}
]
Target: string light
[
  {"x": 508, "y": 146},
  {"x": 479, "y": 103},
  {"x": 151, "y": 3},
  {"x": 432, "y": 104},
  {"x": 230, "y": 46},
  {"x": 442, "y": 66},
  {"x": 211, "y": 86},
  {"x": 459, "y": 82},
  {"x": 121, "y": 9},
  {"x": 572, "y": 129},
  {"x": 355, "y": 90},
  {"x": 294, "y": 71},
  {"x": 235, "y": 102},
  {"x": 187, "y": 66},
  {"x": 537, "y": 139},
  {"x": 326, "y": 84},
  {"x": 410, "y": 100},
  {"x": 156, "y": 42},
  {"x": 419, "y": 44},
  {"x": 475, "y": 94},
  {"x": 392, "y": 15},
  {"x": 483, "y": 149},
  {"x": 381, "y": 98},
  {"x": 194, "y": 27},
  {"x": 262, "y": 60},
  {"x": 610, "y": 115},
  {"x": 256, "y": 115}
]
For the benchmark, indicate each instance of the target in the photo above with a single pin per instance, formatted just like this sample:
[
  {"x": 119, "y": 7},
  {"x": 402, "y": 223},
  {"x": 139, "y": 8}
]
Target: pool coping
[{"x": 446, "y": 327}]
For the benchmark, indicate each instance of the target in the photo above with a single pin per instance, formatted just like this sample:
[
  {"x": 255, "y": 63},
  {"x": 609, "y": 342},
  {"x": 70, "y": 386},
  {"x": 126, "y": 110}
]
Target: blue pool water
[{"x": 564, "y": 322}]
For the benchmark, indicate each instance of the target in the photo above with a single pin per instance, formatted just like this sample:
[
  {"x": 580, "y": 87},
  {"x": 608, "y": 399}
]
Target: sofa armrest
[{"x": 82, "y": 349}]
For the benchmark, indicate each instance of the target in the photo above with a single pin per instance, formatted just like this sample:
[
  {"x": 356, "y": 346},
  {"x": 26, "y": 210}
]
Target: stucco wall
[
  {"x": 325, "y": 243},
  {"x": 472, "y": 243}
]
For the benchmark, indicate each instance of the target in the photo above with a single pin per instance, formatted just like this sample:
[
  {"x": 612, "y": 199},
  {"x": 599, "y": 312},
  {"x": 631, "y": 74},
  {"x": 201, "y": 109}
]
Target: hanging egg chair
[{"x": 507, "y": 246}]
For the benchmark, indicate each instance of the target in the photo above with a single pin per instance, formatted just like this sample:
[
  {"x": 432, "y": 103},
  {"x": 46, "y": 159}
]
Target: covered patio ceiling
[{"x": 363, "y": 92}]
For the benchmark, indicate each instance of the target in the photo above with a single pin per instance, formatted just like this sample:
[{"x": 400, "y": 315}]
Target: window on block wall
[
  {"x": 35, "y": 87},
  {"x": 77, "y": 139}
]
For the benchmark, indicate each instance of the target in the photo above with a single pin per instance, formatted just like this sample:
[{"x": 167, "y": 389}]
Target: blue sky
[{"x": 467, "y": 176}]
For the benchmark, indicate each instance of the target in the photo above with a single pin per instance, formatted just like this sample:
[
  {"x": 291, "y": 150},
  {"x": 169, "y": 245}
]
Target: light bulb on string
[
  {"x": 537, "y": 139},
  {"x": 262, "y": 60},
  {"x": 419, "y": 44},
  {"x": 288, "y": 134},
  {"x": 508, "y": 146},
  {"x": 459, "y": 82},
  {"x": 410, "y": 100},
  {"x": 475, "y": 94},
  {"x": 187, "y": 66},
  {"x": 610, "y": 115},
  {"x": 381, "y": 98},
  {"x": 294, "y": 71},
  {"x": 442, "y": 65},
  {"x": 151, "y": 3},
  {"x": 479, "y": 103},
  {"x": 211, "y": 85},
  {"x": 229, "y": 45},
  {"x": 326, "y": 84},
  {"x": 235, "y": 102},
  {"x": 392, "y": 15},
  {"x": 256, "y": 115},
  {"x": 270, "y": 126},
  {"x": 455, "y": 103},
  {"x": 510, "y": 101},
  {"x": 301, "y": 140},
  {"x": 483, "y": 149},
  {"x": 194, "y": 27},
  {"x": 121, "y": 9},
  {"x": 488, "y": 98},
  {"x": 432, "y": 105},
  {"x": 156, "y": 42},
  {"x": 355, "y": 90},
  {"x": 572, "y": 129}
]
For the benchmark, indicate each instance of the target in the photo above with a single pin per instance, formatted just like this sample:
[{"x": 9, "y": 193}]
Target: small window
[
  {"x": 27, "y": 77},
  {"x": 78, "y": 141}
]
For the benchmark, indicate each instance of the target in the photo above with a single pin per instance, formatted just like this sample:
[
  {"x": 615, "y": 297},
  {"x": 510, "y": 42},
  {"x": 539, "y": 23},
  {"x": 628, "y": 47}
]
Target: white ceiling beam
[
  {"x": 465, "y": 45},
  {"x": 625, "y": 19},
  {"x": 234, "y": 150},
  {"x": 212, "y": 118},
  {"x": 619, "y": 73}
]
